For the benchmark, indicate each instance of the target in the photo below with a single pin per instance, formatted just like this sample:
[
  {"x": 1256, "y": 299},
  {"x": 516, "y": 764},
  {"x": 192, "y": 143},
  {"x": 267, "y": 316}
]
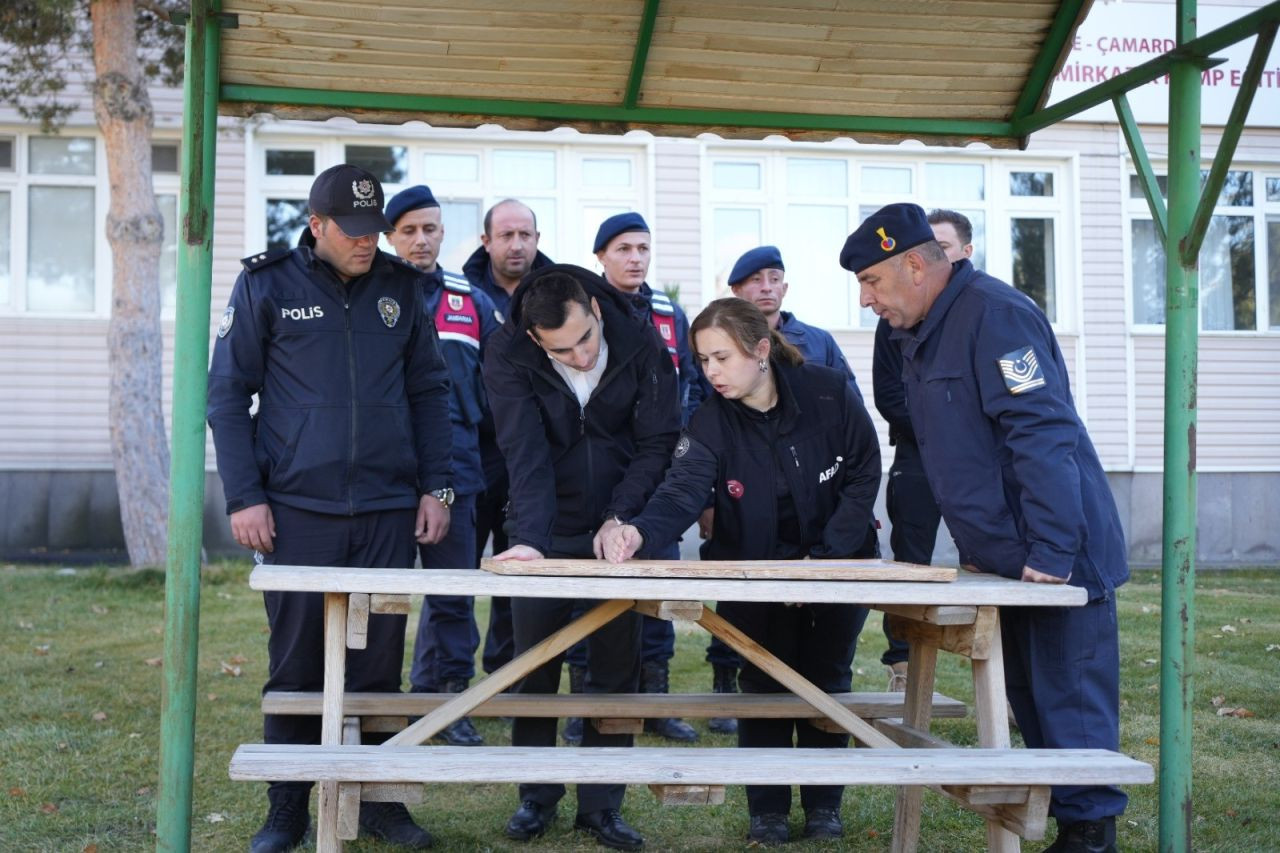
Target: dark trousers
[
  {"x": 1062, "y": 674},
  {"x": 295, "y": 646},
  {"x": 613, "y": 666},
  {"x": 490, "y": 514},
  {"x": 913, "y": 516},
  {"x": 817, "y": 641},
  {"x": 445, "y": 646}
]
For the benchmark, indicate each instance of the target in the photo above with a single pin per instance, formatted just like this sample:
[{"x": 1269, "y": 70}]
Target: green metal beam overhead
[
  {"x": 1142, "y": 163},
  {"x": 1070, "y": 14},
  {"x": 641, "y": 55}
]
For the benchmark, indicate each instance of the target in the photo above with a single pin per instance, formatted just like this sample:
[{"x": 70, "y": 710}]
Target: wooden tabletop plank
[{"x": 809, "y": 570}]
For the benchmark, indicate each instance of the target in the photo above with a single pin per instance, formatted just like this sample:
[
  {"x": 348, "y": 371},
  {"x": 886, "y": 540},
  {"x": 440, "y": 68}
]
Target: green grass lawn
[{"x": 80, "y": 687}]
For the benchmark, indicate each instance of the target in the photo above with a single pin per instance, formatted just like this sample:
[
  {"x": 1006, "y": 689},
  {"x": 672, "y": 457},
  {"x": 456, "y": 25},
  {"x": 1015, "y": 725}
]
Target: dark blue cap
[
  {"x": 351, "y": 197},
  {"x": 891, "y": 230},
  {"x": 619, "y": 223},
  {"x": 759, "y": 258},
  {"x": 414, "y": 198}
]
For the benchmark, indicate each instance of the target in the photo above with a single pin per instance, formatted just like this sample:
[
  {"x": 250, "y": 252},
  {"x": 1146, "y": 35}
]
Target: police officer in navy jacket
[
  {"x": 584, "y": 399},
  {"x": 464, "y": 317},
  {"x": 1018, "y": 482},
  {"x": 347, "y": 459},
  {"x": 794, "y": 462}
]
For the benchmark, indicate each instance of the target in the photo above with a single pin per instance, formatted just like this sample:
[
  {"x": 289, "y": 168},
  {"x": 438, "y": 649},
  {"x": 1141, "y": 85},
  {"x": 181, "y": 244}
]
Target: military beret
[
  {"x": 891, "y": 230},
  {"x": 759, "y": 258},
  {"x": 414, "y": 198},
  {"x": 619, "y": 223}
]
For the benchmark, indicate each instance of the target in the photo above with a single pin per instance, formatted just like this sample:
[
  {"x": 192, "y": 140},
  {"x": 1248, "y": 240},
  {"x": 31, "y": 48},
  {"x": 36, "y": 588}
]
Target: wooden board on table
[{"x": 805, "y": 570}]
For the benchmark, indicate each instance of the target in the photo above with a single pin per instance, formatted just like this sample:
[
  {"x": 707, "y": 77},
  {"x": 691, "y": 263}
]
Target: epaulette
[
  {"x": 257, "y": 262},
  {"x": 456, "y": 283},
  {"x": 662, "y": 304}
]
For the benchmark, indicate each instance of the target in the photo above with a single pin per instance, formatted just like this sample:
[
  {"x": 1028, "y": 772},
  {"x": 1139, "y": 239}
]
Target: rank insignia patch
[
  {"x": 389, "y": 311},
  {"x": 228, "y": 317},
  {"x": 1021, "y": 370}
]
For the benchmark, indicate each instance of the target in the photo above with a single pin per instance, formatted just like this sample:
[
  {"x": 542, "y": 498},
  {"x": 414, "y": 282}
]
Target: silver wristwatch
[{"x": 445, "y": 496}]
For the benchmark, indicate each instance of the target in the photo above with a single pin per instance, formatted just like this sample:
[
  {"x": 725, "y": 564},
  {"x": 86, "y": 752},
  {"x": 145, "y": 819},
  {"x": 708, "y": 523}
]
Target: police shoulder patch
[
  {"x": 258, "y": 261},
  {"x": 228, "y": 317},
  {"x": 1021, "y": 370},
  {"x": 682, "y": 446}
]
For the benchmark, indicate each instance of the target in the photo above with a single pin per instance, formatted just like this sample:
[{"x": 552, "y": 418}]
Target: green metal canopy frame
[{"x": 1181, "y": 226}]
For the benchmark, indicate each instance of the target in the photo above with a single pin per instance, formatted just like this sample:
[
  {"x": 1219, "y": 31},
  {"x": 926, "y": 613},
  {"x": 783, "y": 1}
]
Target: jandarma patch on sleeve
[{"x": 1021, "y": 370}]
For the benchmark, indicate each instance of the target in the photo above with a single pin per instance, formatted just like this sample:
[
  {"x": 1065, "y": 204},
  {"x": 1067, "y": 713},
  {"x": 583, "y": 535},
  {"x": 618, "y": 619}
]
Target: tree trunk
[{"x": 139, "y": 446}]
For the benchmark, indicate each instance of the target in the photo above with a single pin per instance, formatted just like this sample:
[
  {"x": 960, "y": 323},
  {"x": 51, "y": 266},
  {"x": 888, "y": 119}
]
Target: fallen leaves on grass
[
  {"x": 215, "y": 817},
  {"x": 99, "y": 716},
  {"x": 143, "y": 791},
  {"x": 1243, "y": 713},
  {"x": 99, "y": 609},
  {"x": 41, "y": 650},
  {"x": 90, "y": 848},
  {"x": 1152, "y": 741},
  {"x": 237, "y": 660},
  {"x": 230, "y": 669},
  {"x": 1273, "y": 647},
  {"x": 1228, "y": 629},
  {"x": 26, "y": 626},
  {"x": 49, "y": 808},
  {"x": 153, "y": 661},
  {"x": 1217, "y": 701},
  {"x": 17, "y": 792}
]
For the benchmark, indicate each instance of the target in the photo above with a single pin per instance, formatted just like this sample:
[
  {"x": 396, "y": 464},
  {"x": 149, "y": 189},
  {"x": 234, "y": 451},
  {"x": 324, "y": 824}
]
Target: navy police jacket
[
  {"x": 352, "y": 391},
  {"x": 817, "y": 346},
  {"x": 464, "y": 318},
  {"x": 824, "y": 447},
  {"x": 572, "y": 466},
  {"x": 1016, "y": 476},
  {"x": 655, "y": 308}
]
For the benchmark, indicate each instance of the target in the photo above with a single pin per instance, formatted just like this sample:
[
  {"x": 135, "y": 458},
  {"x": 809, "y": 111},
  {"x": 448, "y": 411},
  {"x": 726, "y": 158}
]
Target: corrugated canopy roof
[{"x": 944, "y": 71}]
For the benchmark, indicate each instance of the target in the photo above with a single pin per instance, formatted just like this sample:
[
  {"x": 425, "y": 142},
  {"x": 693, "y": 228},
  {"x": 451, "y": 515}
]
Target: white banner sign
[{"x": 1118, "y": 36}]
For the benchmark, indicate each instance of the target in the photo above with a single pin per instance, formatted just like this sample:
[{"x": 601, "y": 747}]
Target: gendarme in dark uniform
[
  {"x": 1018, "y": 482},
  {"x": 338, "y": 465}
]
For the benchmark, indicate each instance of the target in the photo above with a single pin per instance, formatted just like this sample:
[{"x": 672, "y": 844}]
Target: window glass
[
  {"x": 591, "y": 216},
  {"x": 1273, "y": 189},
  {"x": 460, "y": 168},
  {"x": 168, "y": 204},
  {"x": 6, "y": 155},
  {"x": 886, "y": 179},
  {"x": 1135, "y": 186},
  {"x": 283, "y": 162},
  {"x": 734, "y": 230},
  {"x": 820, "y": 290},
  {"x": 1237, "y": 189},
  {"x": 286, "y": 217},
  {"x": 814, "y": 177},
  {"x": 1031, "y": 183},
  {"x": 544, "y": 212},
  {"x": 463, "y": 224},
  {"x": 524, "y": 170},
  {"x": 955, "y": 181},
  {"x": 735, "y": 175},
  {"x": 1273, "y": 265},
  {"x": 6, "y": 277},
  {"x": 1033, "y": 261},
  {"x": 606, "y": 172},
  {"x": 164, "y": 158},
  {"x": 60, "y": 242},
  {"x": 388, "y": 163},
  {"x": 1227, "y": 298},
  {"x": 61, "y": 155},
  {"x": 1148, "y": 273}
]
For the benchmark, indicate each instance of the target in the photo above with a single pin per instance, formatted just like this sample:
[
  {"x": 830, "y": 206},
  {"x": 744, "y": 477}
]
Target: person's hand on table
[
  {"x": 970, "y": 567},
  {"x": 432, "y": 523},
  {"x": 620, "y": 543},
  {"x": 1030, "y": 575},
  {"x": 602, "y": 536},
  {"x": 254, "y": 527},
  {"x": 519, "y": 552}
]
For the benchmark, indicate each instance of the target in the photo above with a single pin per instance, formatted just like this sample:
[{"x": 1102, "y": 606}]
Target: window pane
[
  {"x": 6, "y": 155},
  {"x": 954, "y": 181},
  {"x": 1273, "y": 264},
  {"x": 1135, "y": 186},
  {"x": 817, "y": 177},
  {"x": 281, "y": 162},
  {"x": 168, "y": 204},
  {"x": 589, "y": 219},
  {"x": 286, "y": 217},
  {"x": 1148, "y": 273},
  {"x": 60, "y": 245},
  {"x": 57, "y": 155},
  {"x": 885, "y": 179},
  {"x": 1227, "y": 299},
  {"x": 612, "y": 172},
  {"x": 1273, "y": 189},
  {"x": 545, "y": 219},
  {"x": 1033, "y": 262},
  {"x": 735, "y": 230},
  {"x": 6, "y": 279},
  {"x": 525, "y": 170},
  {"x": 1237, "y": 189},
  {"x": 388, "y": 163},
  {"x": 164, "y": 159},
  {"x": 1031, "y": 183},
  {"x": 735, "y": 176},
  {"x": 820, "y": 291},
  {"x": 462, "y": 168},
  {"x": 463, "y": 224}
]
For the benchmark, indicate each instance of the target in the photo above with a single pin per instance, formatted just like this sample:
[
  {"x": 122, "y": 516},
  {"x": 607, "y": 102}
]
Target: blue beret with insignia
[
  {"x": 891, "y": 230},
  {"x": 414, "y": 198},
  {"x": 759, "y": 258},
  {"x": 619, "y": 223}
]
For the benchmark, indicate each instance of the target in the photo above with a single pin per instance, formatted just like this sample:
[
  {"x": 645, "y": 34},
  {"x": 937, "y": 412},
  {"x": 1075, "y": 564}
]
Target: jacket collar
[{"x": 962, "y": 273}]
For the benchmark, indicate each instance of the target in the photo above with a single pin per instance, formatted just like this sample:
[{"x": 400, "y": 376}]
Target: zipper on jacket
[{"x": 351, "y": 373}]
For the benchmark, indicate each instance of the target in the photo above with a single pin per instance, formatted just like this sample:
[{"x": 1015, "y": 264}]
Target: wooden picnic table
[{"x": 1008, "y": 788}]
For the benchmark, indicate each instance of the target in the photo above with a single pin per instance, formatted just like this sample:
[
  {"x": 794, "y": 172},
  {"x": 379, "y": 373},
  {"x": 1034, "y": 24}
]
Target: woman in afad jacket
[{"x": 794, "y": 463}]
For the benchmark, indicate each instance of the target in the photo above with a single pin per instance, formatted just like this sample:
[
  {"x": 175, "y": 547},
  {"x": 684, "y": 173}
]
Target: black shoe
[
  {"x": 572, "y": 731},
  {"x": 608, "y": 828},
  {"x": 823, "y": 823},
  {"x": 724, "y": 680},
  {"x": 1085, "y": 836},
  {"x": 530, "y": 821},
  {"x": 288, "y": 820},
  {"x": 769, "y": 829},
  {"x": 391, "y": 822},
  {"x": 671, "y": 728},
  {"x": 460, "y": 732}
]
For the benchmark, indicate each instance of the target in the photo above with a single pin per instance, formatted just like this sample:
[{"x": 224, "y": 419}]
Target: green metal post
[
  {"x": 1182, "y": 298},
  {"x": 190, "y": 378}
]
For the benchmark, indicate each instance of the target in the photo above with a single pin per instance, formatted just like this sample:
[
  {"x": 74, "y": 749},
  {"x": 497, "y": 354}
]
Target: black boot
[
  {"x": 1085, "y": 836},
  {"x": 288, "y": 820},
  {"x": 654, "y": 676},
  {"x": 391, "y": 822},
  {"x": 460, "y": 732},
  {"x": 572, "y": 731},
  {"x": 724, "y": 680}
]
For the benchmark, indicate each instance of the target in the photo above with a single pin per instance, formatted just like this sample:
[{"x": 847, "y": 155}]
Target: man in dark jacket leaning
[{"x": 571, "y": 360}]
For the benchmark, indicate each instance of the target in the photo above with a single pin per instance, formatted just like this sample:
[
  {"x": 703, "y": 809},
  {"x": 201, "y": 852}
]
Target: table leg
[
  {"x": 922, "y": 662},
  {"x": 991, "y": 711},
  {"x": 335, "y": 677}
]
